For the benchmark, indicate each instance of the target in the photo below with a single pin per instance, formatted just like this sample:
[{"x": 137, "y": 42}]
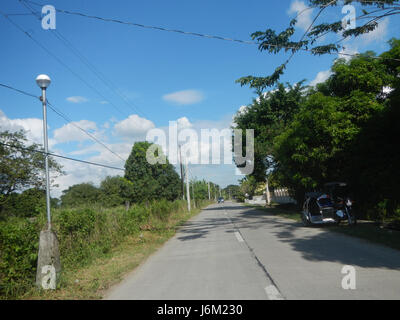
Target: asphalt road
[{"x": 230, "y": 251}]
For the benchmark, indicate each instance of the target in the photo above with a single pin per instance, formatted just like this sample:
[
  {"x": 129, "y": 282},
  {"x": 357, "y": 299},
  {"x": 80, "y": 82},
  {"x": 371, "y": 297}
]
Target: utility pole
[
  {"x": 187, "y": 185},
  {"x": 48, "y": 264},
  {"x": 209, "y": 195},
  {"x": 194, "y": 199},
  {"x": 181, "y": 165},
  {"x": 267, "y": 193}
]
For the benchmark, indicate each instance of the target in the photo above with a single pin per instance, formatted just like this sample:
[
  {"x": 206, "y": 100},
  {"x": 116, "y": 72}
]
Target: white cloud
[
  {"x": 304, "y": 18},
  {"x": 69, "y": 132},
  {"x": 78, "y": 172},
  {"x": 354, "y": 46},
  {"x": 77, "y": 99},
  {"x": 32, "y": 126},
  {"x": 184, "y": 123},
  {"x": 184, "y": 97},
  {"x": 321, "y": 77},
  {"x": 133, "y": 126},
  {"x": 348, "y": 52},
  {"x": 378, "y": 34}
]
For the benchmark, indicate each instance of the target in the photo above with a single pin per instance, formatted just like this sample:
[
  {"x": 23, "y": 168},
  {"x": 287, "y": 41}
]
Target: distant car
[{"x": 220, "y": 200}]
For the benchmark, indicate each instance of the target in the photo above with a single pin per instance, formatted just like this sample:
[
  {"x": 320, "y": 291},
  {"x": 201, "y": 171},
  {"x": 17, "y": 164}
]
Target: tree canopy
[
  {"x": 22, "y": 166},
  {"x": 151, "y": 181},
  {"x": 343, "y": 129}
]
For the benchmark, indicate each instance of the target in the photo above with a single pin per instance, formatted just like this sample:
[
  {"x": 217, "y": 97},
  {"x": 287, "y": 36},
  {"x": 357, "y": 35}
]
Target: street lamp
[
  {"x": 48, "y": 264},
  {"x": 43, "y": 81}
]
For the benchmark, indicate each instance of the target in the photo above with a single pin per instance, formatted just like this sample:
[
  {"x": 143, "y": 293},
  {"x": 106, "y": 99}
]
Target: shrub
[
  {"x": 84, "y": 233},
  {"x": 19, "y": 240}
]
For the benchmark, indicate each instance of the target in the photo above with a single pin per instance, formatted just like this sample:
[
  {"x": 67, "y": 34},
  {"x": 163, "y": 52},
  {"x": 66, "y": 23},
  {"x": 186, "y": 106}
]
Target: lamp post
[
  {"x": 187, "y": 185},
  {"x": 43, "y": 81},
  {"x": 48, "y": 265}
]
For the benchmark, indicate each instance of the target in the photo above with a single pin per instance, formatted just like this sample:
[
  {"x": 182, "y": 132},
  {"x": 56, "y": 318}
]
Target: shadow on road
[
  {"x": 315, "y": 243},
  {"x": 319, "y": 243}
]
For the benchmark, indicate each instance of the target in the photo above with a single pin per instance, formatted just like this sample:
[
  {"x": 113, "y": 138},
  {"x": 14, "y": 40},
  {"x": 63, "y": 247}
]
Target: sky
[{"x": 118, "y": 81}]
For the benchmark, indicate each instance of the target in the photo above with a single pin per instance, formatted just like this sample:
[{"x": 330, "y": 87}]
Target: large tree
[
  {"x": 151, "y": 181},
  {"x": 268, "y": 116},
  {"x": 344, "y": 131}
]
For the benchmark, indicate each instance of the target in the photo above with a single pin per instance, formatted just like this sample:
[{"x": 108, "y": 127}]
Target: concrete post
[{"x": 49, "y": 265}]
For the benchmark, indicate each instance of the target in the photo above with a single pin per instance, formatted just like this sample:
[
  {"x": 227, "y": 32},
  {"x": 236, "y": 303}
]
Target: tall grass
[{"x": 84, "y": 233}]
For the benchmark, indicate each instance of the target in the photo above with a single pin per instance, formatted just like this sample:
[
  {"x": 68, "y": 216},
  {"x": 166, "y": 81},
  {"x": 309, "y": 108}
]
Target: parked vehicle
[
  {"x": 333, "y": 205},
  {"x": 221, "y": 200}
]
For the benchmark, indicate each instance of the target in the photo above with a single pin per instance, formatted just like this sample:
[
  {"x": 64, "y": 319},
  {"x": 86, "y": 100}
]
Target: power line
[
  {"x": 20, "y": 91},
  {"x": 88, "y": 64},
  {"x": 62, "y": 63},
  {"x": 294, "y": 48},
  {"x": 60, "y": 156},
  {"x": 65, "y": 117}
]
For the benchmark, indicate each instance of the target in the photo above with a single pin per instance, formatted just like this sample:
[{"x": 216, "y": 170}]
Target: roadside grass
[
  {"x": 367, "y": 230},
  {"x": 93, "y": 279},
  {"x": 276, "y": 210}
]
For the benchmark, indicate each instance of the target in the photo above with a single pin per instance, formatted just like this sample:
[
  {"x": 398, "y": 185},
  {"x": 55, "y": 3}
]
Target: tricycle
[{"x": 332, "y": 205}]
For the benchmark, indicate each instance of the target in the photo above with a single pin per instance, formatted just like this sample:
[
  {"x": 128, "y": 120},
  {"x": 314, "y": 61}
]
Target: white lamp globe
[{"x": 43, "y": 81}]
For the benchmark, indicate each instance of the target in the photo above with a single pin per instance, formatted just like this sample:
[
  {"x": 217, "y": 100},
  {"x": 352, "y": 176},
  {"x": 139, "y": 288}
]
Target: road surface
[{"x": 230, "y": 251}]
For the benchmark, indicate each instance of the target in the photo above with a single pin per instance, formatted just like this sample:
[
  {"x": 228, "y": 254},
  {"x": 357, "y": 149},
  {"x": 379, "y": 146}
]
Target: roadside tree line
[{"x": 343, "y": 129}]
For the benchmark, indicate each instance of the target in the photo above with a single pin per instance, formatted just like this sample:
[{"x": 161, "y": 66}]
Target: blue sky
[{"x": 166, "y": 76}]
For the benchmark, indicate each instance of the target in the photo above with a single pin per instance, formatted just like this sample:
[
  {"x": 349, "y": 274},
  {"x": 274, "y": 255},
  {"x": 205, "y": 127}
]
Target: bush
[
  {"x": 84, "y": 233},
  {"x": 19, "y": 241}
]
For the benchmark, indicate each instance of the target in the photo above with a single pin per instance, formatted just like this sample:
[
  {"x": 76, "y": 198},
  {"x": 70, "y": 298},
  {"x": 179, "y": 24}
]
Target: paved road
[{"x": 230, "y": 251}]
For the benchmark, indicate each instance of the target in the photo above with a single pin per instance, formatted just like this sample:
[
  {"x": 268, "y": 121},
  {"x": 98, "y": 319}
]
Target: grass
[
  {"x": 367, "y": 230},
  {"x": 92, "y": 280},
  {"x": 285, "y": 211}
]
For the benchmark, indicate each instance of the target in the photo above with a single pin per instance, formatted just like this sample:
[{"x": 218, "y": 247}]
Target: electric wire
[
  {"x": 65, "y": 117},
  {"x": 287, "y": 48},
  {"x": 109, "y": 83},
  {"x": 60, "y": 156}
]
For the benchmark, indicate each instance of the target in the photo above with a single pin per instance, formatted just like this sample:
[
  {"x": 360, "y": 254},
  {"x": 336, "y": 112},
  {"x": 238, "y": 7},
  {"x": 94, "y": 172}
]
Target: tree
[
  {"x": 151, "y": 181},
  {"x": 232, "y": 191},
  {"x": 275, "y": 42},
  {"x": 248, "y": 186},
  {"x": 116, "y": 191},
  {"x": 268, "y": 116},
  {"x": 331, "y": 136},
  {"x": 80, "y": 194},
  {"x": 22, "y": 165}
]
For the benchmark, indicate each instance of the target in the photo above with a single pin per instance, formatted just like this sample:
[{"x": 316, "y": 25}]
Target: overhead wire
[
  {"x": 60, "y": 156},
  {"x": 62, "y": 63},
  {"x": 287, "y": 48},
  {"x": 65, "y": 117},
  {"x": 108, "y": 82}
]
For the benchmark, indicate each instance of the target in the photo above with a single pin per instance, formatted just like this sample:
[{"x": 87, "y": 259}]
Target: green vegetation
[
  {"x": 151, "y": 181},
  {"x": 341, "y": 130},
  {"x": 85, "y": 234},
  {"x": 125, "y": 217},
  {"x": 312, "y": 40},
  {"x": 21, "y": 170}
]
